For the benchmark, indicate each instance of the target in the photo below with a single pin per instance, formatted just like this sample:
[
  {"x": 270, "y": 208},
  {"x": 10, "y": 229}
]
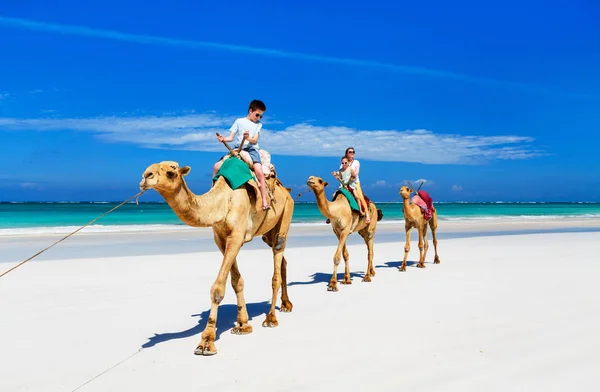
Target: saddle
[
  {"x": 425, "y": 202},
  {"x": 268, "y": 170}
]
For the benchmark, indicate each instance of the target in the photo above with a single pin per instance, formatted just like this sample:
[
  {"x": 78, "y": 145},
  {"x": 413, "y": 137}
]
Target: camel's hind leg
[
  {"x": 276, "y": 238},
  {"x": 217, "y": 293},
  {"x": 433, "y": 225},
  {"x": 368, "y": 235}
]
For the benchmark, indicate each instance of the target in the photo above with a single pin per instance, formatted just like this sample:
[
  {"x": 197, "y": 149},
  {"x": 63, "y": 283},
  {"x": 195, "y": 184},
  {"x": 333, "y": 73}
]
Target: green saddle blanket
[
  {"x": 348, "y": 195},
  {"x": 235, "y": 171}
]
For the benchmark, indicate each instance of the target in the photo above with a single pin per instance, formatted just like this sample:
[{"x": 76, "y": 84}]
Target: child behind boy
[{"x": 249, "y": 127}]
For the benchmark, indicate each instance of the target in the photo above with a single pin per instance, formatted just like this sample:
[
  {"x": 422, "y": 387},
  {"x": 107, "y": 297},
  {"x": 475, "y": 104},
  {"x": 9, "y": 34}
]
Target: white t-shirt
[
  {"x": 242, "y": 125},
  {"x": 356, "y": 166}
]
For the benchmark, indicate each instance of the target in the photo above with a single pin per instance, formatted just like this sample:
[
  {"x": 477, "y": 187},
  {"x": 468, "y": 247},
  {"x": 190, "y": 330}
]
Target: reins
[{"x": 64, "y": 238}]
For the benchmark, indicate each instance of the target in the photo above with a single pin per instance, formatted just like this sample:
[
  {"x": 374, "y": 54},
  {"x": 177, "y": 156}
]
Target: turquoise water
[{"x": 34, "y": 217}]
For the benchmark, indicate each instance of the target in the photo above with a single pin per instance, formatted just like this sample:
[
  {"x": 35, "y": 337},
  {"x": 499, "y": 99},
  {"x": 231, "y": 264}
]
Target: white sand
[{"x": 502, "y": 313}]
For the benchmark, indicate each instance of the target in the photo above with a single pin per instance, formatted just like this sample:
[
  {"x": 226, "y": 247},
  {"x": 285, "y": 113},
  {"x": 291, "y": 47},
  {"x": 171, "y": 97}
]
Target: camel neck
[
  {"x": 199, "y": 211},
  {"x": 323, "y": 203}
]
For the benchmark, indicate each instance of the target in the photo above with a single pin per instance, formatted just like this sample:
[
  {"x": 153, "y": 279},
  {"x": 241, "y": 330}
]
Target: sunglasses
[
  {"x": 350, "y": 152},
  {"x": 344, "y": 163},
  {"x": 257, "y": 115}
]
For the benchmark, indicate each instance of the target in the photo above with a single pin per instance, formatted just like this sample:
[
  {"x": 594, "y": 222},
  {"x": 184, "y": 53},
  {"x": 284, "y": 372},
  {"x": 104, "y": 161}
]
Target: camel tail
[{"x": 379, "y": 215}]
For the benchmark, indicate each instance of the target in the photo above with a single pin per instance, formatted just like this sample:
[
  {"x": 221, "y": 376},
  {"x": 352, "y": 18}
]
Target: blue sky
[{"x": 484, "y": 102}]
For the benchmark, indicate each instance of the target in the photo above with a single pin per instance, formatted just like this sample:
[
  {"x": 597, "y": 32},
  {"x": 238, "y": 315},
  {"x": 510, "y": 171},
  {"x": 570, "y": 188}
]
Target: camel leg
[
  {"x": 406, "y": 247},
  {"x": 337, "y": 258},
  {"x": 237, "y": 282},
  {"x": 277, "y": 237},
  {"x": 217, "y": 293},
  {"x": 286, "y": 304},
  {"x": 271, "y": 320},
  {"x": 346, "y": 256},
  {"x": 242, "y": 327},
  {"x": 421, "y": 263},
  {"x": 433, "y": 225},
  {"x": 368, "y": 237},
  {"x": 425, "y": 242}
]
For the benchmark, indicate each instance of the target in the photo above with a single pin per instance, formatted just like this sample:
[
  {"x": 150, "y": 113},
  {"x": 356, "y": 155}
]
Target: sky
[{"x": 481, "y": 102}]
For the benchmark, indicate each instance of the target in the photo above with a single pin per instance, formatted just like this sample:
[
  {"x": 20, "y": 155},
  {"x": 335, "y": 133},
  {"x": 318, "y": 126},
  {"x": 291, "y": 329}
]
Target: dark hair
[
  {"x": 344, "y": 157},
  {"x": 349, "y": 148},
  {"x": 257, "y": 105}
]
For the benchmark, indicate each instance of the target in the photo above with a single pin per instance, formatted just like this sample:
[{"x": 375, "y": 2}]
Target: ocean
[{"x": 41, "y": 218}]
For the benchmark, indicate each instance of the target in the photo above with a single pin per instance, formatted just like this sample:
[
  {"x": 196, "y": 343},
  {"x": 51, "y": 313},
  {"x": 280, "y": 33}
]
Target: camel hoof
[
  {"x": 346, "y": 281},
  {"x": 402, "y": 269},
  {"x": 286, "y": 307},
  {"x": 436, "y": 260},
  {"x": 366, "y": 279},
  {"x": 270, "y": 321},
  {"x": 421, "y": 265},
  {"x": 332, "y": 288},
  {"x": 242, "y": 329},
  {"x": 204, "y": 351}
]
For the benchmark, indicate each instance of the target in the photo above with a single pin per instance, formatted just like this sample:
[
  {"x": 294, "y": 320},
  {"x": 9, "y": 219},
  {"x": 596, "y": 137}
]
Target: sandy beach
[{"x": 513, "y": 306}]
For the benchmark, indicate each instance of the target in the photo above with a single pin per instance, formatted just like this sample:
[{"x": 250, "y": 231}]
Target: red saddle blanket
[{"x": 424, "y": 201}]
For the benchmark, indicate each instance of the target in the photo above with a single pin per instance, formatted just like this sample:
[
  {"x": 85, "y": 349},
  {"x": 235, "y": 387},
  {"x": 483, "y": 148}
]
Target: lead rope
[{"x": 137, "y": 196}]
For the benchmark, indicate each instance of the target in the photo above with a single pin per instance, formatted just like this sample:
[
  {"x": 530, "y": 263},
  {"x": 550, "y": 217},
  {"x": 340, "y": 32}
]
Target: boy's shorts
[{"x": 254, "y": 154}]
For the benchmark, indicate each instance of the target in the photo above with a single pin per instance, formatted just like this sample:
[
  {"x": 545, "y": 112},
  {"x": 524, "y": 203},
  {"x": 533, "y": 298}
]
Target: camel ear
[
  {"x": 184, "y": 171},
  {"x": 325, "y": 183}
]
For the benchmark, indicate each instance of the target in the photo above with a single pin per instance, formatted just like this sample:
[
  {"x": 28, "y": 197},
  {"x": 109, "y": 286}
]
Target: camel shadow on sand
[
  {"x": 324, "y": 277},
  {"x": 397, "y": 264},
  {"x": 225, "y": 321}
]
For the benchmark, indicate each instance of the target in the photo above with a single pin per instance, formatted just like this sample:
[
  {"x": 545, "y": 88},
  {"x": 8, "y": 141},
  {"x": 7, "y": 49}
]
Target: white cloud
[
  {"x": 30, "y": 185},
  {"x": 197, "y": 132},
  {"x": 457, "y": 188},
  {"x": 380, "y": 183},
  {"x": 4, "y": 95}
]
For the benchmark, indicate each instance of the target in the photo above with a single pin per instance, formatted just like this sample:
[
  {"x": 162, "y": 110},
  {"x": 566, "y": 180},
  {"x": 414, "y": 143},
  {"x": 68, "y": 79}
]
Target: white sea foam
[
  {"x": 90, "y": 229},
  {"x": 43, "y": 230}
]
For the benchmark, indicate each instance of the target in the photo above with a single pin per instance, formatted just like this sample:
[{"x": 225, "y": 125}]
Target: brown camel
[
  {"x": 344, "y": 221},
  {"x": 236, "y": 217},
  {"x": 413, "y": 217}
]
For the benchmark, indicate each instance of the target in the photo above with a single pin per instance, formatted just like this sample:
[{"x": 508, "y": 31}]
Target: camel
[
  {"x": 413, "y": 217},
  {"x": 236, "y": 217},
  {"x": 344, "y": 221}
]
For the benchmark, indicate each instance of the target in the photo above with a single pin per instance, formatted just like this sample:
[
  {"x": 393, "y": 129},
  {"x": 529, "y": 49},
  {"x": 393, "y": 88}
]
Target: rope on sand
[
  {"x": 107, "y": 370},
  {"x": 64, "y": 238}
]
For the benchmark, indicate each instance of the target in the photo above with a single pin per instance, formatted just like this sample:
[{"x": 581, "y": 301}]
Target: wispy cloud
[
  {"x": 197, "y": 132},
  {"x": 457, "y": 188},
  {"x": 195, "y": 44},
  {"x": 31, "y": 185},
  {"x": 4, "y": 95}
]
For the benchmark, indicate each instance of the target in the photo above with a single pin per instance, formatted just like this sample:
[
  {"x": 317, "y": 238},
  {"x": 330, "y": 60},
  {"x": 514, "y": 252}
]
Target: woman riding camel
[{"x": 354, "y": 165}]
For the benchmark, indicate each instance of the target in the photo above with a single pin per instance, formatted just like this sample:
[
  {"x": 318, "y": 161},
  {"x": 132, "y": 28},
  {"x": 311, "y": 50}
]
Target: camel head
[
  {"x": 316, "y": 184},
  {"x": 405, "y": 192},
  {"x": 164, "y": 176}
]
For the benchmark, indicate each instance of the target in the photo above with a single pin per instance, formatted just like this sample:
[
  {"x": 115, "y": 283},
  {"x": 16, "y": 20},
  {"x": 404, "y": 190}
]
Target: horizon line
[{"x": 80, "y": 30}]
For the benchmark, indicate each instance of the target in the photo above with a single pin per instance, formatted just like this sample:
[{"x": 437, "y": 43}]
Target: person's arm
[
  {"x": 229, "y": 138},
  {"x": 353, "y": 174},
  {"x": 356, "y": 168},
  {"x": 253, "y": 139}
]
